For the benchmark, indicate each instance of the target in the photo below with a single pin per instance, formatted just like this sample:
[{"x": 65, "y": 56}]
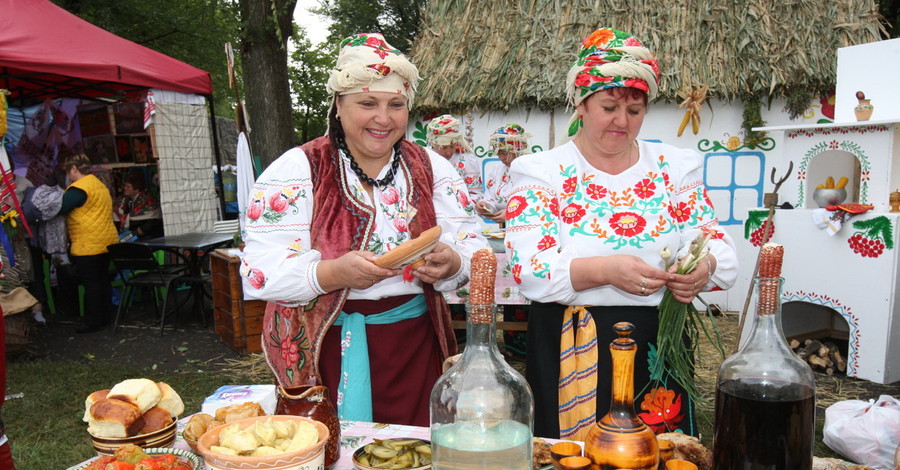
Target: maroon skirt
[{"x": 404, "y": 358}]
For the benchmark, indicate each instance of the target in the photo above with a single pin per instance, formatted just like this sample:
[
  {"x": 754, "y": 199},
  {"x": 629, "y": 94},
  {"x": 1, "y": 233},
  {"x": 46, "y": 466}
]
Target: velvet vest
[{"x": 342, "y": 223}]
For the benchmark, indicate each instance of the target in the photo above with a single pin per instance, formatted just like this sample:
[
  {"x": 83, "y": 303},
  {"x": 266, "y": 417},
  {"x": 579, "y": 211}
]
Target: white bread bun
[
  {"x": 114, "y": 418},
  {"x": 143, "y": 393},
  {"x": 155, "y": 418},
  {"x": 90, "y": 400},
  {"x": 169, "y": 400}
]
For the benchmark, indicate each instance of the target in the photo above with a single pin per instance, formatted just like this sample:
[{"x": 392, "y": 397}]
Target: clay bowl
[
  {"x": 678, "y": 464},
  {"x": 575, "y": 462},
  {"x": 162, "y": 438},
  {"x": 309, "y": 458},
  {"x": 561, "y": 450}
]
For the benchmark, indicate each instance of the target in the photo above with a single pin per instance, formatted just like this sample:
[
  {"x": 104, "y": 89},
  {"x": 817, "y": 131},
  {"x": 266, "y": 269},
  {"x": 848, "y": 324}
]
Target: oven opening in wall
[{"x": 818, "y": 335}]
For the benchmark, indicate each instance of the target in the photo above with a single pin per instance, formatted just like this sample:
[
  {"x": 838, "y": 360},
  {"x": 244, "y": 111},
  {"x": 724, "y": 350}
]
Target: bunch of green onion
[{"x": 680, "y": 324}]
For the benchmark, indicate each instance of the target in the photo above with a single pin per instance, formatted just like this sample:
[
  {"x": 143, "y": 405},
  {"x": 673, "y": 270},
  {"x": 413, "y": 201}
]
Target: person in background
[
  {"x": 322, "y": 213},
  {"x": 41, "y": 206},
  {"x": 586, "y": 224},
  {"x": 445, "y": 139},
  {"x": 507, "y": 143},
  {"x": 88, "y": 209},
  {"x": 137, "y": 211}
]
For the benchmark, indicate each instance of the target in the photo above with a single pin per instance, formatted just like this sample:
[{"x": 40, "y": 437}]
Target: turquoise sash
[{"x": 355, "y": 383}]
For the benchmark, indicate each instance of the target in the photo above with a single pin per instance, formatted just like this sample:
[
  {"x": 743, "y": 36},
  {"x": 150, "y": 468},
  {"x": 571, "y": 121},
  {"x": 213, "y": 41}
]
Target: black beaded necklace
[{"x": 388, "y": 178}]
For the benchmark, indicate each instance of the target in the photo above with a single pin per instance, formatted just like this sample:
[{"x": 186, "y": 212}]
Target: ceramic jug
[{"x": 312, "y": 401}]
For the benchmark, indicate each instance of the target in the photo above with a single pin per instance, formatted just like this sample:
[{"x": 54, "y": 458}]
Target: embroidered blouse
[
  {"x": 497, "y": 186},
  {"x": 562, "y": 208},
  {"x": 469, "y": 168},
  {"x": 277, "y": 230}
]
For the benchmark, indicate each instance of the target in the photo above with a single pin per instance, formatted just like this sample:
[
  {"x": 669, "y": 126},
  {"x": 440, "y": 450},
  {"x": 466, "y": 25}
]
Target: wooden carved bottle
[{"x": 620, "y": 439}]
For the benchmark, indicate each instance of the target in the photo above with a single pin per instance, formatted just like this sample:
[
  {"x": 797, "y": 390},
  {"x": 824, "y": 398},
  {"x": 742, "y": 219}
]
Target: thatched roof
[{"x": 503, "y": 54}]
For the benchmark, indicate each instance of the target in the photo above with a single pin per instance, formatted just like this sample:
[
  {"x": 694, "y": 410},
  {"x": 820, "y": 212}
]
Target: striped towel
[{"x": 577, "y": 374}]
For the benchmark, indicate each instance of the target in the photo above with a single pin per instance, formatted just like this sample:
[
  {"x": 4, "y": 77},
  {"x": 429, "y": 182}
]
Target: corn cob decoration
[
  {"x": 771, "y": 257},
  {"x": 481, "y": 286},
  {"x": 693, "y": 101}
]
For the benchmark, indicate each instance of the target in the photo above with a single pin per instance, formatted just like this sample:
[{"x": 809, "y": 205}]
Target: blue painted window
[{"x": 734, "y": 179}]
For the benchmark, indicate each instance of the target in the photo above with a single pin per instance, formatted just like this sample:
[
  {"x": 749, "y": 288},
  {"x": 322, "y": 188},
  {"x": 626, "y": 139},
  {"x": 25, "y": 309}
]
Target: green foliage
[
  {"x": 194, "y": 32},
  {"x": 397, "y": 20},
  {"x": 753, "y": 118},
  {"x": 308, "y": 71}
]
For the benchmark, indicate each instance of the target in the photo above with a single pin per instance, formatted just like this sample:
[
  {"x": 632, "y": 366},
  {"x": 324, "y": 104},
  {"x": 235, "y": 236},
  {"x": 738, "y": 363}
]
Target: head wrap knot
[
  {"x": 510, "y": 138},
  {"x": 366, "y": 62},
  {"x": 444, "y": 130},
  {"x": 609, "y": 59}
]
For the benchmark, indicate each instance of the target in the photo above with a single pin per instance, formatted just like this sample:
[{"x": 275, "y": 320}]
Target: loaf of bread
[
  {"x": 90, "y": 400},
  {"x": 169, "y": 400},
  {"x": 155, "y": 418},
  {"x": 114, "y": 418},
  {"x": 143, "y": 393},
  {"x": 232, "y": 413}
]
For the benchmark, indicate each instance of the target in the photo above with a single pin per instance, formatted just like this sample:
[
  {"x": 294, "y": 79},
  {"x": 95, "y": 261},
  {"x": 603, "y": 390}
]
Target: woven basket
[{"x": 16, "y": 331}]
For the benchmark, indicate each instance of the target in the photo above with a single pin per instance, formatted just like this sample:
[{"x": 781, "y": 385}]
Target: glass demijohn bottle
[
  {"x": 620, "y": 440},
  {"x": 765, "y": 395},
  {"x": 482, "y": 410}
]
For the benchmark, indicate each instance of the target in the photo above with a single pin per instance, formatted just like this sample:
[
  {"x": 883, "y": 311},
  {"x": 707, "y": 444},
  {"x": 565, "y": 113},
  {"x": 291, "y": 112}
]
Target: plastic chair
[{"x": 138, "y": 267}]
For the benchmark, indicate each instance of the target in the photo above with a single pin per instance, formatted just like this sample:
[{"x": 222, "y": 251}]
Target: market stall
[{"x": 139, "y": 108}]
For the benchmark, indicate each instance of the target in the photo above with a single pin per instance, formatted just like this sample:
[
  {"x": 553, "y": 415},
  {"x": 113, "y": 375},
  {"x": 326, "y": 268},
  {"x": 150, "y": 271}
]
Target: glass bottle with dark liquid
[{"x": 765, "y": 395}]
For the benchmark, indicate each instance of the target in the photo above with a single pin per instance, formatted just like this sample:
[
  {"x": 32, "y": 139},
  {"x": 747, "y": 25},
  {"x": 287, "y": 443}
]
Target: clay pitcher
[{"x": 312, "y": 401}]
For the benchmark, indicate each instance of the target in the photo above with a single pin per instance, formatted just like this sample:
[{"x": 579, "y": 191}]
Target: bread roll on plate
[
  {"x": 114, "y": 418},
  {"x": 169, "y": 400},
  {"x": 155, "y": 418},
  {"x": 143, "y": 393},
  {"x": 90, "y": 400}
]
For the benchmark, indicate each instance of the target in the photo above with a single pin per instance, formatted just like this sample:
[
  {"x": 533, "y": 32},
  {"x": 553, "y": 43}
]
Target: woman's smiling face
[{"x": 373, "y": 122}]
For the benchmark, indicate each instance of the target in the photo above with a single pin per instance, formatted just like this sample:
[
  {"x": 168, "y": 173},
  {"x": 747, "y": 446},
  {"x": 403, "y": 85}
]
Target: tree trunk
[{"x": 267, "y": 25}]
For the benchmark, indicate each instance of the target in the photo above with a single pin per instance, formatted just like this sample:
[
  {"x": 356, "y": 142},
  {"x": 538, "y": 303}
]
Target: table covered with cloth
[{"x": 354, "y": 434}]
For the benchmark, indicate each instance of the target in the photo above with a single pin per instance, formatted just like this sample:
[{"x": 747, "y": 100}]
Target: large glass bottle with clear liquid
[
  {"x": 765, "y": 395},
  {"x": 482, "y": 410}
]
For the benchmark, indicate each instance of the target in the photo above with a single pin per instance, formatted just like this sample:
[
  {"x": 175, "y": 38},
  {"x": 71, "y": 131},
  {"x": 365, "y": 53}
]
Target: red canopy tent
[{"x": 46, "y": 51}]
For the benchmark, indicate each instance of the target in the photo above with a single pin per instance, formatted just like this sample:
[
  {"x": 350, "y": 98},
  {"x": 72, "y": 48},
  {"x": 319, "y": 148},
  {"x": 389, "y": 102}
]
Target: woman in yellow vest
[{"x": 88, "y": 206}]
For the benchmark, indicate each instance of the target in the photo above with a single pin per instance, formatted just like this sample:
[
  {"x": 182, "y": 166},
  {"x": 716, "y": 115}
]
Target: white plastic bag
[{"x": 864, "y": 432}]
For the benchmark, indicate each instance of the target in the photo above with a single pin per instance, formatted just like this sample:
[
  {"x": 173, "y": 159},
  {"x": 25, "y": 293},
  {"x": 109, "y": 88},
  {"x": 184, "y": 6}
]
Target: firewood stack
[{"x": 825, "y": 357}]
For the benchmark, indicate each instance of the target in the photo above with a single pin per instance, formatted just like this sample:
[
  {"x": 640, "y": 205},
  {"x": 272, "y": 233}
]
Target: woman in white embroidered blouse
[
  {"x": 586, "y": 223},
  {"x": 444, "y": 137},
  {"x": 321, "y": 214},
  {"x": 507, "y": 143}
]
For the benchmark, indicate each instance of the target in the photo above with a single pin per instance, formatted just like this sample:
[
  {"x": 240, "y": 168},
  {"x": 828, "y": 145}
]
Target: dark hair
[
  {"x": 137, "y": 180},
  {"x": 57, "y": 177},
  {"x": 335, "y": 128}
]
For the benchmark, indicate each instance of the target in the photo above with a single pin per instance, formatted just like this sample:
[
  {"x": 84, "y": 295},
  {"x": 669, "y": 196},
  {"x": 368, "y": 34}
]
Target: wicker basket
[{"x": 16, "y": 330}]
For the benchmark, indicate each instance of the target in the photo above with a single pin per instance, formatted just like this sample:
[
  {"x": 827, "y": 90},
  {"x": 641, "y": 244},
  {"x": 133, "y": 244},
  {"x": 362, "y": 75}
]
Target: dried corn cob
[
  {"x": 481, "y": 286},
  {"x": 771, "y": 257}
]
